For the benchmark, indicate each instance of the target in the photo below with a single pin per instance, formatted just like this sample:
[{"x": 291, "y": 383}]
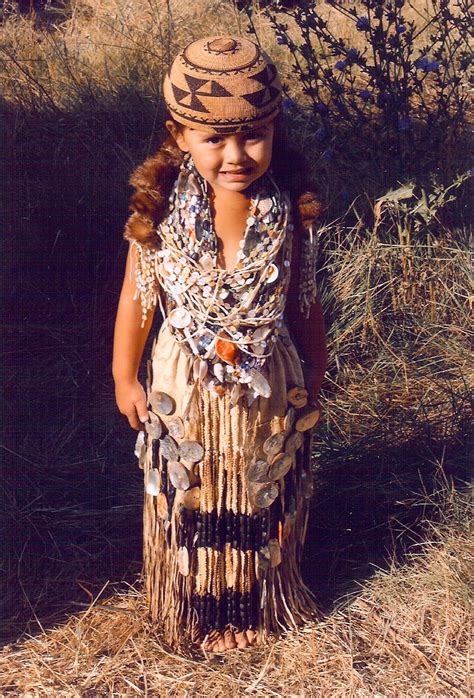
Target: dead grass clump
[
  {"x": 405, "y": 634},
  {"x": 398, "y": 328}
]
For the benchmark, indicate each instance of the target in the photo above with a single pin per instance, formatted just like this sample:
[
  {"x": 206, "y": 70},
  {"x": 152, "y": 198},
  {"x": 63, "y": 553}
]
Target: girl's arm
[
  {"x": 309, "y": 334},
  {"x": 129, "y": 343}
]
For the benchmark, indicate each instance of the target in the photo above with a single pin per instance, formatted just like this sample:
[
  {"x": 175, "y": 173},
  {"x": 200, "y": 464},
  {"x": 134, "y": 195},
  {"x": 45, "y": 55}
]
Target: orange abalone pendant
[{"x": 226, "y": 350}]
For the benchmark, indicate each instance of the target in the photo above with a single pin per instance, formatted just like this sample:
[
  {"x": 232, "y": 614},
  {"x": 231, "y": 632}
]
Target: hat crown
[
  {"x": 222, "y": 84},
  {"x": 222, "y": 45}
]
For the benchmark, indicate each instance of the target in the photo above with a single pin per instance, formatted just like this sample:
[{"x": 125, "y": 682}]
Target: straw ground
[{"x": 387, "y": 552}]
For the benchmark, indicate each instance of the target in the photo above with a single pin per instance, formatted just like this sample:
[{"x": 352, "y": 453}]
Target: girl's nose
[{"x": 235, "y": 151}]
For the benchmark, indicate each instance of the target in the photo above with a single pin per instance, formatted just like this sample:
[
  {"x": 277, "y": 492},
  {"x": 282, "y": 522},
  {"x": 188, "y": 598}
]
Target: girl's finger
[
  {"x": 142, "y": 411},
  {"x": 133, "y": 420}
]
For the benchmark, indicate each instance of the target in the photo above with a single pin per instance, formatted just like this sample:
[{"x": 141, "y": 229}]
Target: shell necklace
[{"x": 228, "y": 319}]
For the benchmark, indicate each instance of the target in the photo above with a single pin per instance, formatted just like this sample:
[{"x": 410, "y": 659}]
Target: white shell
[
  {"x": 258, "y": 349},
  {"x": 260, "y": 333},
  {"x": 178, "y": 475},
  {"x": 191, "y": 451},
  {"x": 153, "y": 483},
  {"x": 140, "y": 448},
  {"x": 154, "y": 428},
  {"x": 280, "y": 466},
  {"x": 169, "y": 448},
  {"x": 272, "y": 273},
  {"x": 176, "y": 427},
  {"x": 259, "y": 384},
  {"x": 206, "y": 261},
  {"x": 274, "y": 443},
  {"x": 219, "y": 372},
  {"x": 258, "y": 471},
  {"x": 179, "y": 318},
  {"x": 199, "y": 368},
  {"x": 262, "y": 494},
  {"x": 161, "y": 402},
  {"x": 264, "y": 206},
  {"x": 251, "y": 397}
]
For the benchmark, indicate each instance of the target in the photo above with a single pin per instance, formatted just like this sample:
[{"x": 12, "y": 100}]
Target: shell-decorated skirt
[{"x": 227, "y": 486}]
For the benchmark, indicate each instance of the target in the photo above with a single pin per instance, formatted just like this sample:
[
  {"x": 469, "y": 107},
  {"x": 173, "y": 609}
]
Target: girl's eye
[{"x": 214, "y": 139}]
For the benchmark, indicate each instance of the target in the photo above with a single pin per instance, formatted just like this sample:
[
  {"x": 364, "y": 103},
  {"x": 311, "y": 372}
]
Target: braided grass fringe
[{"x": 285, "y": 602}]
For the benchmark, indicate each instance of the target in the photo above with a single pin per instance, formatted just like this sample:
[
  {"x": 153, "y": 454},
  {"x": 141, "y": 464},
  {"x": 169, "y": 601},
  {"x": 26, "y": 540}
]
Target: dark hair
[{"x": 154, "y": 179}]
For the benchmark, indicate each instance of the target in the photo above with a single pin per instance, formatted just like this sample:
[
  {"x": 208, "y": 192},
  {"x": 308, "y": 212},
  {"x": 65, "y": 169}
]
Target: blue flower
[
  {"x": 421, "y": 63},
  {"x": 362, "y": 23},
  {"x": 321, "y": 108},
  {"x": 327, "y": 155},
  {"x": 282, "y": 40},
  {"x": 365, "y": 95},
  {"x": 352, "y": 53},
  {"x": 288, "y": 104},
  {"x": 401, "y": 28},
  {"x": 404, "y": 123},
  {"x": 340, "y": 65}
]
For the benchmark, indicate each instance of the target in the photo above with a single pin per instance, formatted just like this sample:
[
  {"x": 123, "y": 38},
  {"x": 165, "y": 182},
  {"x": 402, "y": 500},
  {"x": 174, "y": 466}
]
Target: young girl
[{"x": 227, "y": 414}]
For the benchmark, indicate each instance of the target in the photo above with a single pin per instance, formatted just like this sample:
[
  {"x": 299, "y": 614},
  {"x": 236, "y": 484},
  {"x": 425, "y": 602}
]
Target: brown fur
[{"x": 154, "y": 179}]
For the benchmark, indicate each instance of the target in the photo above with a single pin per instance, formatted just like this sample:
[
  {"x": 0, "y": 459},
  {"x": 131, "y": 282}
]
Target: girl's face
[{"x": 228, "y": 162}]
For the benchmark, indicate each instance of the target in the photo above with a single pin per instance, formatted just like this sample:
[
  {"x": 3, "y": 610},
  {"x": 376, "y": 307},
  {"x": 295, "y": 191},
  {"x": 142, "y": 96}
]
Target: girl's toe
[
  {"x": 229, "y": 639},
  {"x": 220, "y": 645},
  {"x": 241, "y": 640},
  {"x": 252, "y": 637}
]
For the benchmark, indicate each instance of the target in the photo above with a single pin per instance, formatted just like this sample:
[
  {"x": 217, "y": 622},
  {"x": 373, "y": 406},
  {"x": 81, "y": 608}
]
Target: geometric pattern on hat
[{"x": 222, "y": 84}]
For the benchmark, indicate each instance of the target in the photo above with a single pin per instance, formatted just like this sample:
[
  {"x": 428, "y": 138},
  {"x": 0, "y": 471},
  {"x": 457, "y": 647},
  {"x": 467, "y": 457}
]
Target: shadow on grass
[
  {"x": 371, "y": 506},
  {"x": 72, "y": 492}
]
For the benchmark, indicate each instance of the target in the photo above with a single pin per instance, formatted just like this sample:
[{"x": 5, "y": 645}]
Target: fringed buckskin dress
[{"x": 226, "y": 451}]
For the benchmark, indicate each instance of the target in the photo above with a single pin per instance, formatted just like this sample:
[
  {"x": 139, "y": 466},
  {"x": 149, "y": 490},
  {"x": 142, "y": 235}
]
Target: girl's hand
[{"x": 131, "y": 401}]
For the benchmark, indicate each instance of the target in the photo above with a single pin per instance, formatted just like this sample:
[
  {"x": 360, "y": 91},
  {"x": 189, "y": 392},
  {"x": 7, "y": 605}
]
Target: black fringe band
[{"x": 232, "y": 608}]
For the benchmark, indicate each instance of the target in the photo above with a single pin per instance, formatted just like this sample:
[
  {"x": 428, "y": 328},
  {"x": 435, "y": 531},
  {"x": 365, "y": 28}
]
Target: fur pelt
[{"x": 154, "y": 179}]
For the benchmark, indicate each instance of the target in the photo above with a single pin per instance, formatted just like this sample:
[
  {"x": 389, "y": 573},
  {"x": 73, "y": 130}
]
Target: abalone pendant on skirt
[
  {"x": 153, "y": 483},
  {"x": 161, "y": 403},
  {"x": 263, "y": 494}
]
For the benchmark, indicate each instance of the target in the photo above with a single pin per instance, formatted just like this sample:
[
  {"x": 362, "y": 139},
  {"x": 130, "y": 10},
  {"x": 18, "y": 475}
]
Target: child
[{"x": 227, "y": 442}]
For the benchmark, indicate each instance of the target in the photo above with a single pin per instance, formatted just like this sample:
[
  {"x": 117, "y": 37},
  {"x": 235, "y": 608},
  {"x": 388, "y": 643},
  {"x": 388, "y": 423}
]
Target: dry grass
[
  {"x": 87, "y": 49},
  {"x": 81, "y": 108},
  {"x": 405, "y": 633}
]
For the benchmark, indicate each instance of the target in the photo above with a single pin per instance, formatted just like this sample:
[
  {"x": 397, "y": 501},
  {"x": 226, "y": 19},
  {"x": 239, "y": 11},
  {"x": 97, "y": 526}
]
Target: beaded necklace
[{"x": 228, "y": 319}]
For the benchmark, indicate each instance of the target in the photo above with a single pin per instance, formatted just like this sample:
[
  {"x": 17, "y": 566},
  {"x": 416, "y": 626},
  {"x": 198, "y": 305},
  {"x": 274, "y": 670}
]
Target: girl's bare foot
[{"x": 217, "y": 641}]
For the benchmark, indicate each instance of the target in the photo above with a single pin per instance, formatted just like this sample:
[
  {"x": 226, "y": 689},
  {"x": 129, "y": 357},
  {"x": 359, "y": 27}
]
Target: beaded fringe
[
  {"x": 225, "y": 585},
  {"x": 309, "y": 257}
]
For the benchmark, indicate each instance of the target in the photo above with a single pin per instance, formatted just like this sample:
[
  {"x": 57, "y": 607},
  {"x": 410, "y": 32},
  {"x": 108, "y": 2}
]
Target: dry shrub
[
  {"x": 398, "y": 331},
  {"x": 405, "y": 634}
]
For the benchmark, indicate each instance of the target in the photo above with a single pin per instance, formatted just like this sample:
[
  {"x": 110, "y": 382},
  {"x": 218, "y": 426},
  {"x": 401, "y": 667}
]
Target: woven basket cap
[{"x": 222, "y": 84}]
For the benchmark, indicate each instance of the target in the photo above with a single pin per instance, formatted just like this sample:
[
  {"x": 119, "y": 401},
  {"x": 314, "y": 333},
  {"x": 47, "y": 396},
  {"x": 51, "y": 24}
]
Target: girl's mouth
[{"x": 236, "y": 175}]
